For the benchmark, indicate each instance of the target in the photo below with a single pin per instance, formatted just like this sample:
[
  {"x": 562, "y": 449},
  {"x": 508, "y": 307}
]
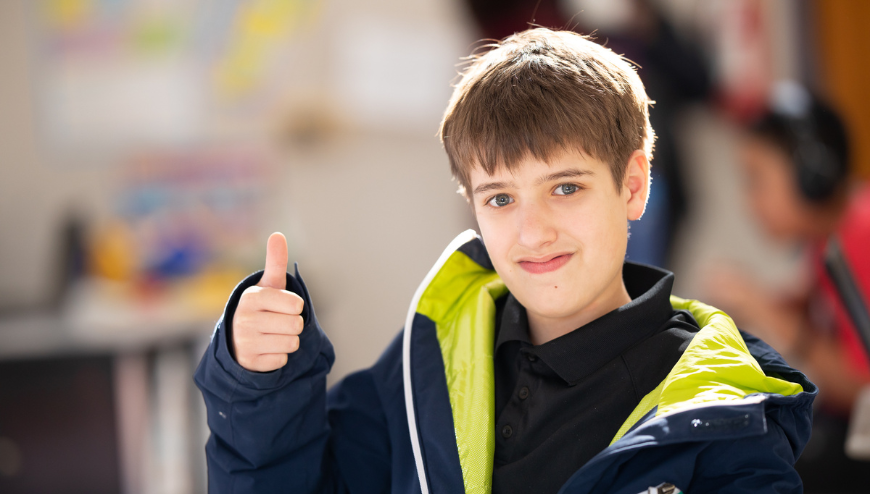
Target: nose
[{"x": 535, "y": 226}]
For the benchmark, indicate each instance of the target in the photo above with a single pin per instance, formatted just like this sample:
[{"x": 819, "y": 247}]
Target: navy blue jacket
[{"x": 398, "y": 426}]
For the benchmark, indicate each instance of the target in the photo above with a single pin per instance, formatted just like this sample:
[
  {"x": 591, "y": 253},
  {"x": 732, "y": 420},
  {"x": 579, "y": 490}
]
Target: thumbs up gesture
[{"x": 268, "y": 319}]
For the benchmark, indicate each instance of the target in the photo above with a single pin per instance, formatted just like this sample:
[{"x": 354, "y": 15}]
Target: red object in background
[
  {"x": 854, "y": 235},
  {"x": 498, "y": 19},
  {"x": 743, "y": 59}
]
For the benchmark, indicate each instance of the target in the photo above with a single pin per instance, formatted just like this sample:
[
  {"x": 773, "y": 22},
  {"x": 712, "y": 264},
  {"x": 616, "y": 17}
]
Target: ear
[{"x": 635, "y": 186}]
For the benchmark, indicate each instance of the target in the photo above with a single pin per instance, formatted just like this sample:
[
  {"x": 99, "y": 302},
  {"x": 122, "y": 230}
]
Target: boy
[
  {"x": 533, "y": 359},
  {"x": 796, "y": 161}
]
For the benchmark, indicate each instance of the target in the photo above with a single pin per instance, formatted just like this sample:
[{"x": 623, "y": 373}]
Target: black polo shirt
[{"x": 561, "y": 403}]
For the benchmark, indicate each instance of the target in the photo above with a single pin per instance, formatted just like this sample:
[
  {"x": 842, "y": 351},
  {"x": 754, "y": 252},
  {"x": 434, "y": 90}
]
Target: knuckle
[
  {"x": 247, "y": 301},
  {"x": 296, "y": 301},
  {"x": 271, "y": 362},
  {"x": 260, "y": 365},
  {"x": 294, "y": 344},
  {"x": 245, "y": 362},
  {"x": 241, "y": 345},
  {"x": 241, "y": 322},
  {"x": 289, "y": 301},
  {"x": 250, "y": 292}
]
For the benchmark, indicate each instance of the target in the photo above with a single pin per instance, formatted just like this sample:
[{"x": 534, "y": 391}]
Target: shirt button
[
  {"x": 507, "y": 431},
  {"x": 531, "y": 357},
  {"x": 524, "y": 392}
]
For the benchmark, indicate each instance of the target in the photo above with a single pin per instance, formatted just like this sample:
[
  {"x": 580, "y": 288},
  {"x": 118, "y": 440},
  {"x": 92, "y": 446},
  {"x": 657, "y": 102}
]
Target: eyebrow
[
  {"x": 569, "y": 173},
  {"x": 480, "y": 189}
]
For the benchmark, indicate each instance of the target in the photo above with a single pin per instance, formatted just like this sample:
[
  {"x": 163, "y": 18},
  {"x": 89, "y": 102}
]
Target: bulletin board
[{"x": 118, "y": 73}]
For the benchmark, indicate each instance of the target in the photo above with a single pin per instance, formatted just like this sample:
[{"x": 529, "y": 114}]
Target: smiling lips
[{"x": 551, "y": 264}]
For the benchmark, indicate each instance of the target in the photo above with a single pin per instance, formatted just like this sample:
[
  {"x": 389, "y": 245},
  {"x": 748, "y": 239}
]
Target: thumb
[{"x": 275, "y": 274}]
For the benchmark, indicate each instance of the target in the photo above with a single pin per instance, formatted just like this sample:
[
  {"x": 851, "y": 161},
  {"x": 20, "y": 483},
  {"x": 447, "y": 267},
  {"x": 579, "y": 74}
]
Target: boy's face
[
  {"x": 772, "y": 189},
  {"x": 557, "y": 232}
]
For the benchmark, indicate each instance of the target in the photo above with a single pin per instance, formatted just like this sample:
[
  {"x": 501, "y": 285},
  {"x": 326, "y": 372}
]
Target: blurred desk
[
  {"x": 44, "y": 335},
  {"x": 118, "y": 367}
]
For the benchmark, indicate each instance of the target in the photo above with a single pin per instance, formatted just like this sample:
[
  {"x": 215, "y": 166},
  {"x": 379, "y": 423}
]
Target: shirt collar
[{"x": 581, "y": 352}]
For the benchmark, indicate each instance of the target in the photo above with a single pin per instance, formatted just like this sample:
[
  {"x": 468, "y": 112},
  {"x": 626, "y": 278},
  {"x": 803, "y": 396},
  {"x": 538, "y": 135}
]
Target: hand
[
  {"x": 732, "y": 289},
  {"x": 755, "y": 308},
  {"x": 268, "y": 319}
]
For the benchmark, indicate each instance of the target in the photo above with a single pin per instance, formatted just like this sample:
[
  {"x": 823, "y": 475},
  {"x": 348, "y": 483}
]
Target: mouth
[{"x": 545, "y": 265}]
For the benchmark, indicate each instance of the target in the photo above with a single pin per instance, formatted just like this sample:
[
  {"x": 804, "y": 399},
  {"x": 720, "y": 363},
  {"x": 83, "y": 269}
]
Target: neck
[{"x": 543, "y": 328}]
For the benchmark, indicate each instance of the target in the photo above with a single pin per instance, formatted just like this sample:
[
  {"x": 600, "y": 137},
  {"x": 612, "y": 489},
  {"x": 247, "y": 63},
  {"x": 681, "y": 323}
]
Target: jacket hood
[
  {"x": 719, "y": 368},
  {"x": 453, "y": 310}
]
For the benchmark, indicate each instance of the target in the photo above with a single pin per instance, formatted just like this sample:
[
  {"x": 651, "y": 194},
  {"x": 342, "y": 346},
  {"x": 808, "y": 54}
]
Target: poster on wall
[{"x": 114, "y": 74}]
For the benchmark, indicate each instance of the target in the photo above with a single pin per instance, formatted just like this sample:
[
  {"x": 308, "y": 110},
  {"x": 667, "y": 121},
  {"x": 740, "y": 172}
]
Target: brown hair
[{"x": 541, "y": 92}]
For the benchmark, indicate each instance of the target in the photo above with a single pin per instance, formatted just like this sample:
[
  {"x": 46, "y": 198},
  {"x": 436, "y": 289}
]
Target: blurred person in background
[{"x": 795, "y": 159}]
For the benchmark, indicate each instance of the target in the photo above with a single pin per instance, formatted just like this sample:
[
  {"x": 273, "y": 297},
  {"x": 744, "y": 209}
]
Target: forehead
[
  {"x": 757, "y": 151},
  {"x": 531, "y": 168}
]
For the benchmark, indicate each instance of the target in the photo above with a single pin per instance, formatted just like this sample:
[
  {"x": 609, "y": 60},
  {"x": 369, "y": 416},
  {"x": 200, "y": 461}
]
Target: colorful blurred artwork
[
  {"x": 190, "y": 211},
  {"x": 260, "y": 28},
  {"x": 175, "y": 95},
  {"x": 185, "y": 230},
  {"x": 118, "y": 73}
]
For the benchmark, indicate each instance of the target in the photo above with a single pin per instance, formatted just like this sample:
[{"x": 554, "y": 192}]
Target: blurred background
[{"x": 148, "y": 148}]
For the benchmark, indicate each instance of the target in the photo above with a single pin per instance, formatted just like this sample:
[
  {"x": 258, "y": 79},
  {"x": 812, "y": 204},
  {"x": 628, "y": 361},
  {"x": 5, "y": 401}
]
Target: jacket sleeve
[
  {"x": 269, "y": 431},
  {"x": 755, "y": 464}
]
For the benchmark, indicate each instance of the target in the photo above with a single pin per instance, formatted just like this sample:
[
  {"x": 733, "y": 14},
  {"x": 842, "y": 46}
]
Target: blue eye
[
  {"x": 500, "y": 200},
  {"x": 566, "y": 189}
]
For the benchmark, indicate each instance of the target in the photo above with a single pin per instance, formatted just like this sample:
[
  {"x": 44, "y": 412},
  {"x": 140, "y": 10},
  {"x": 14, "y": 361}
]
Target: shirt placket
[{"x": 509, "y": 429}]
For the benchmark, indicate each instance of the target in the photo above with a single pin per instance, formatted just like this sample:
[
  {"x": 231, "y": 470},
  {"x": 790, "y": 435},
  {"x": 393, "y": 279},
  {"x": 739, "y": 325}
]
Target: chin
[
  {"x": 781, "y": 233},
  {"x": 549, "y": 303}
]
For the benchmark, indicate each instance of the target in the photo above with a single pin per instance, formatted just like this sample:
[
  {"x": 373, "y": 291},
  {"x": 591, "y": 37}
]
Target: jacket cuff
[{"x": 313, "y": 344}]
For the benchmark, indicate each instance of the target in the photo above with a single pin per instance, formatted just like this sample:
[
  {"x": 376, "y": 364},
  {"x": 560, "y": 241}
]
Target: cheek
[
  {"x": 601, "y": 225},
  {"x": 767, "y": 207},
  {"x": 497, "y": 236},
  {"x": 776, "y": 202}
]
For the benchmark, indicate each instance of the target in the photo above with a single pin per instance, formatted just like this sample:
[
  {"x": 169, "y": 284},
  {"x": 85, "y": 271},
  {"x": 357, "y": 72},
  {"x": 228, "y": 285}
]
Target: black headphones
[{"x": 819, "y": 171}]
